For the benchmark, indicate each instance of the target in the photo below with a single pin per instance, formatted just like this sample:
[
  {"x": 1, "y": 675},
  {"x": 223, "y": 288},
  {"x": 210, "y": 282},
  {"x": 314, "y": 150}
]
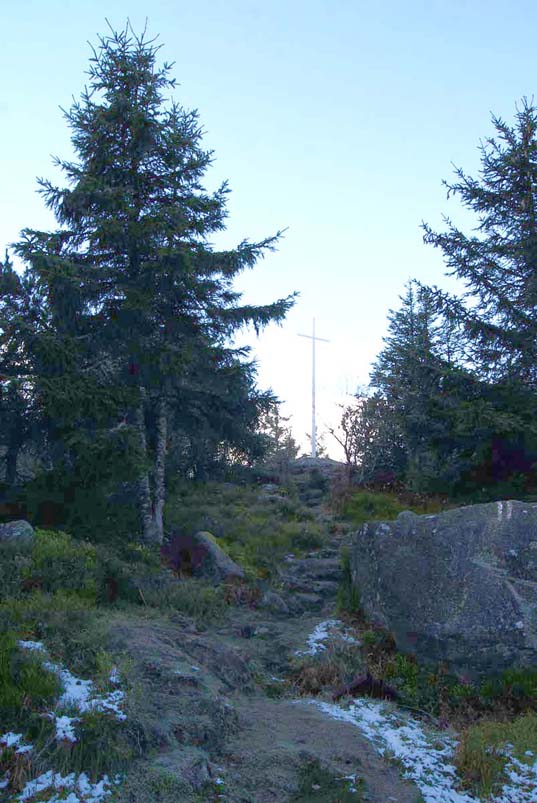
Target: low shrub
[{"x": 60, "y": 562}]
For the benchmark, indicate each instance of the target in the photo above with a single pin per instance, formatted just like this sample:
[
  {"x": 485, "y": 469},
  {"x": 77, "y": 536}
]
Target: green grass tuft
[
  {"x": 365, "y": 506},
  {"x": 480, "y": 757},
  {"x": 319, "y": 785}
]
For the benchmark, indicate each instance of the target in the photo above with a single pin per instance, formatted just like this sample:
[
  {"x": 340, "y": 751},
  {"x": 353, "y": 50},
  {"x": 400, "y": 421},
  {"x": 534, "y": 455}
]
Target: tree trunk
[
  {"x": 160, "y": 466},
  {"x": 149, "y": 533}
]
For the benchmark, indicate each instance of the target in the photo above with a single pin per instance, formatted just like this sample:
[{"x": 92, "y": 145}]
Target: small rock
[
  {"x": 16, "y": 532},
  {"x": 303, "y": 601},
  {"x": 200, "y": 556},
  {"x": 274, "y": 602}
]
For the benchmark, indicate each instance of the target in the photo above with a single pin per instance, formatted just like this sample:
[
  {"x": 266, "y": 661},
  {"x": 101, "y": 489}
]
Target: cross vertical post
[{"x": 313, "y": 338}]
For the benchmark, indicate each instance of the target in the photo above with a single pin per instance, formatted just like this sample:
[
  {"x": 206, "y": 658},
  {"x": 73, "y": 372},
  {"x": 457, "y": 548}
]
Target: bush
[{"x": 59, "y": 562}]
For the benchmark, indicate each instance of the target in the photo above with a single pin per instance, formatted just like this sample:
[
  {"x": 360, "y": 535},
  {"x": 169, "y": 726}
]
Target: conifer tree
[
  {"x": 412, "y": 375},
  {"x": 133, "y": 246},
  {"x": 497, "y": 262}
]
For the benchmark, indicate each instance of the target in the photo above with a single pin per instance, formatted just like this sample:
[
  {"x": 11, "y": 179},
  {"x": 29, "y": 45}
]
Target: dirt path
[
  {"x": 210, "y": 698},
  {"x": 276, "y": 738}
]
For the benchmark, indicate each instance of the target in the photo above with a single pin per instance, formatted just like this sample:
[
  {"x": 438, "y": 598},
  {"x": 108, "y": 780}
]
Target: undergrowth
[
  {"x": 60, "y": 590},
  {"x": 361, "y": 506},
  {"x": 256, "y": 530}
]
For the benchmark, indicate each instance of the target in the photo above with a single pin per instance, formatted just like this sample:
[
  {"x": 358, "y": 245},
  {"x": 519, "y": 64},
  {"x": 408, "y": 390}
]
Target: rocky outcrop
[
  {"x": 16, "y": 532},
  {"x": 459, "y": 587}
]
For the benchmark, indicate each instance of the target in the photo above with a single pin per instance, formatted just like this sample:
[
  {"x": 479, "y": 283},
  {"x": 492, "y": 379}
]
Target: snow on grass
[
  {"x": 329, "y": 629},
  {"x": 426, "y": 757},
  {"x": 36, "y": 646},
  {"x": 78, "y": 693},
  {"x": 522, "y": 784},
  {"x": 14, "y": 740},
  {"x": 69, "y": 788},
  {"x": 65, "y": 727}
]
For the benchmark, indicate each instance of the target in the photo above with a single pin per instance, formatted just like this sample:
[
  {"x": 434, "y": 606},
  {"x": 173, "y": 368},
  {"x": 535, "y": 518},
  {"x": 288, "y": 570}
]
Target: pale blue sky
[{"x": 336, "y": 119}]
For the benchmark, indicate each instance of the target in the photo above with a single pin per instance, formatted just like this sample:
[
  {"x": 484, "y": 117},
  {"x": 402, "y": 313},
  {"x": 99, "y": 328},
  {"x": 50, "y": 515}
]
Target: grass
[
  {"x": 58, "y": 591},
  {"x": 255, "y": 531},
  {"x": 148, "y": 784},
  {"x": 361, "y": 506},
  {"x": 318, "y": 785},
  {"x": 481, "y": 758},
  {"x": 339, "y": 663}
]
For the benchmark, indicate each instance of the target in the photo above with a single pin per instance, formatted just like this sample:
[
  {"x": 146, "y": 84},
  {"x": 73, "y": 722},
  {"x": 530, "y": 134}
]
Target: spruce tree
[
  {"x": 411, "y": 376},
  {"x": 133, "y": 246},
  {"x": 497, "y": 262}
]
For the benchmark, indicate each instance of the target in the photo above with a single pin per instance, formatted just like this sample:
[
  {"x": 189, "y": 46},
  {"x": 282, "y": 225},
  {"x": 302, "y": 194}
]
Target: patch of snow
[
  {"x": 5, "y": 781},
  {"x": 80, "y": 789},
  {"x": 330, "y": 628},
  {"x": 10, "y": 739},
  {"x": 65, "y": 730},
  {"x": 320, "y": 633},
  {"x": 500, "y": 510},
  {"x": 426, "y": 757},
  {"x": 24, "y": 748},
  {"x": 519, "y": 625},
  {"x": 78, "y": 694},
  {"x": 37, "y": 646},
  {"x": 114, "y": 677},
  {"x": 522, "y": 784}
]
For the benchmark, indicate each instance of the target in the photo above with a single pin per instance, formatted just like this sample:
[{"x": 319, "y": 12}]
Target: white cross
[{"x": 313, "y": 338}]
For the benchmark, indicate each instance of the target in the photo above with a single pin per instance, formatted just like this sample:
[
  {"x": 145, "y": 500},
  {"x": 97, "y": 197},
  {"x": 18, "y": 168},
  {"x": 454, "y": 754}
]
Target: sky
[{"x": 336, "y": 120}]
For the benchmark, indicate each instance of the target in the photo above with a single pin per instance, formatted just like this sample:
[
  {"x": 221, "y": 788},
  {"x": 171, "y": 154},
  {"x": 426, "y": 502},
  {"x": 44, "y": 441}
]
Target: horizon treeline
[{"x": 452, "y": 403}]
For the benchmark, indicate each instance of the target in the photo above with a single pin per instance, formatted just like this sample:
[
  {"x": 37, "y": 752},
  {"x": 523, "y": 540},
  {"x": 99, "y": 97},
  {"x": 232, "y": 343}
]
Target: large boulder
[
  {"x": 458, "y": 588},
  {"x": 17, "y": 532},
  {"x": 199, "y": 556}
]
